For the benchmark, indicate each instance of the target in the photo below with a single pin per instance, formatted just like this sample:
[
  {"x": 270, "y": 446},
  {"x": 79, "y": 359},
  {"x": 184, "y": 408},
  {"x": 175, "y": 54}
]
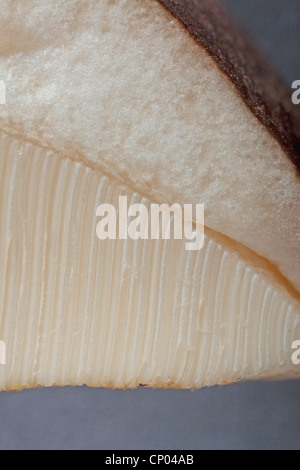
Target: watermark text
[
  {"x": 2, "y": 353},
  {"x": 164, "y": 222},
  {"x": 2, "y": 92},
  {"x": 296, "y": 354},
  {"x": 296, "y": 94}
]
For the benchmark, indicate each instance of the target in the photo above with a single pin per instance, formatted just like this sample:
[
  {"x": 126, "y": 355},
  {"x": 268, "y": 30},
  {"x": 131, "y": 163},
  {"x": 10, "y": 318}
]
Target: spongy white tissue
[{"x": 120, "y": 85}]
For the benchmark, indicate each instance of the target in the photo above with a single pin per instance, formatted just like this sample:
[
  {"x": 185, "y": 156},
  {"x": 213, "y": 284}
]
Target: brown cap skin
[{"x": 257, "y": 82}]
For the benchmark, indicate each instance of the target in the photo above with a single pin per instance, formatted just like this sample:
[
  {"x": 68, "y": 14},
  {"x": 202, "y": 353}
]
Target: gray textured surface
[
  {"x": 243, "y": 416},
  {"x": 275, "y": 26}
]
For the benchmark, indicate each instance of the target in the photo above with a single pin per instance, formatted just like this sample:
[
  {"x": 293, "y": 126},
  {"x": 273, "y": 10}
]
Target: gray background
[{"x": 243, "y": 416}]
